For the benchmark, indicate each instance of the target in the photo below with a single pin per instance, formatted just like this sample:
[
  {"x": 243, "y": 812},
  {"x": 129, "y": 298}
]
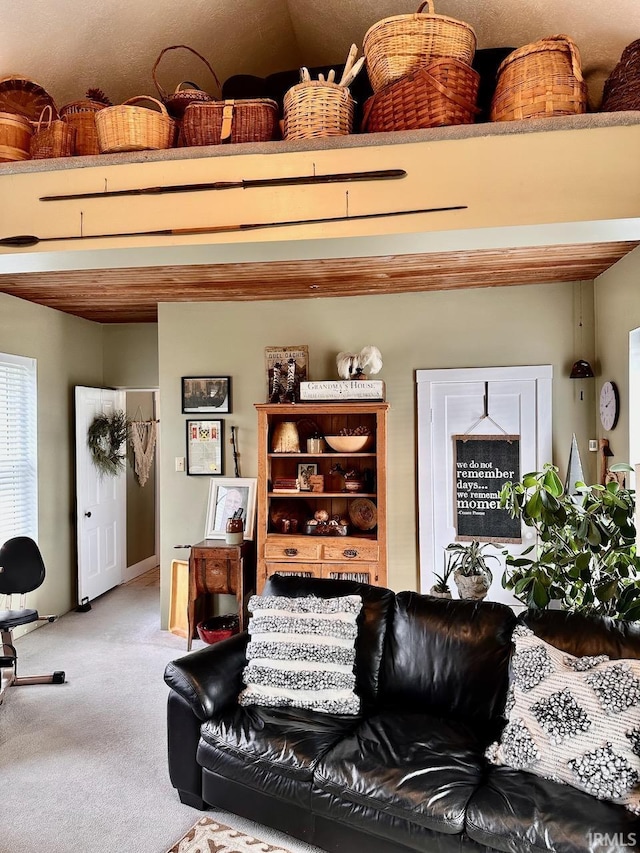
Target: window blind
[{"x": 18, "y": 447}]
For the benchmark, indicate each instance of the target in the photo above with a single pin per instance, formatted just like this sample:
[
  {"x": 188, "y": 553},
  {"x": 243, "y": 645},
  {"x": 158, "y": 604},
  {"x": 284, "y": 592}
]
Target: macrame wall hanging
[
  {"x": 143, "y": 435},
  {"x": 105, "y": 437}
]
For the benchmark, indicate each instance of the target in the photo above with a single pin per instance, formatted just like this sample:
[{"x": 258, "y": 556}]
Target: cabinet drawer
[
  {"x": 292, "y": 549},
  {"x": 215, "y": 575},
  {"x": 350, "y": 552},
  {"x": 305, "y": 570},
  {"x": 360, "y": 572}
]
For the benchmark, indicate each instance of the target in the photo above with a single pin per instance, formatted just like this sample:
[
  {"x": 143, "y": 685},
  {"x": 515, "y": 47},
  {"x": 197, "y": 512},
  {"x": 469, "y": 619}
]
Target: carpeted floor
[{"x": 84, "y": 764}]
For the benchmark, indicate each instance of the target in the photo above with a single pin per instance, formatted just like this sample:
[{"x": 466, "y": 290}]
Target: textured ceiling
[{"x": 69, "y": 45}]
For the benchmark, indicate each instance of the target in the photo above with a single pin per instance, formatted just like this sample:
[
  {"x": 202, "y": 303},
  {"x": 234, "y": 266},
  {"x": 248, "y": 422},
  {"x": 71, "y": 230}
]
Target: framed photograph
[
  {"x": 202, "y": 394},
  {"x": 285, "y": 366},
  {"x": 306, "y": 470},
  {"x": 205, "y": 447},
  {"x": 226, "y": 497}
]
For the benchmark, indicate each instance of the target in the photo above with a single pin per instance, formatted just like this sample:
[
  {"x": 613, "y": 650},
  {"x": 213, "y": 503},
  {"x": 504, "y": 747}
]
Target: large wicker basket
[
  {"x": 15, "y": 137},
  {"x": 52, "y": 137},
  {"x": 622, "y": 87},
  {"x": 540, "y": 80},
  {"x": 443, "y": 93},
  {"x": 397, "y": 46},
  {"x": 129, "y": 128},
  {"x": 315, "y": 109},
  {"x": 250, "y": 120},
  {"x": 181, "y": 98},
  {"x": 81, "y": 115}
]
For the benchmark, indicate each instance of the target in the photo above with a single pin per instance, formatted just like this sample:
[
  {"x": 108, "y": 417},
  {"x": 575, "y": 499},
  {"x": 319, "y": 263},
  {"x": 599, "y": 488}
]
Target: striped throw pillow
[{"x": 302, "y": 653}]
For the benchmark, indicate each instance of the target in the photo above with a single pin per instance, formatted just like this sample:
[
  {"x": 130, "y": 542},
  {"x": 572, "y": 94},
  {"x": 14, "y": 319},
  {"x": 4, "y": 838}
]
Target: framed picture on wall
[
  {"x": 286, "y": 366},
  {"x": 205, "y": 447},
  {"x": 226, "y": 497},
  {"x": 201, "y": 394}
]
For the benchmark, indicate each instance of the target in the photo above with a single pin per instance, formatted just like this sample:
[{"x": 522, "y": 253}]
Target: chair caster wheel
[{"x": 58, "y": 677}]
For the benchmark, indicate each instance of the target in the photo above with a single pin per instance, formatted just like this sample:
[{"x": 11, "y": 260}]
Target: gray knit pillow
[
  {"x": 302, "y": 653},
  {"x": 573, "y": 720}
]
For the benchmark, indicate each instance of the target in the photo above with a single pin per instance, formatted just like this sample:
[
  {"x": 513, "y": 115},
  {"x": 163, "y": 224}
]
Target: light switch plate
[
  {"x": 593, "y": 444},
  {"x": 180, "y": 463}
]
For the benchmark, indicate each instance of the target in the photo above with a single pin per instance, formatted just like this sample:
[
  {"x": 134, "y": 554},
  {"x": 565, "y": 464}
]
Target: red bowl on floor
[{"x": 218, "y": 628}]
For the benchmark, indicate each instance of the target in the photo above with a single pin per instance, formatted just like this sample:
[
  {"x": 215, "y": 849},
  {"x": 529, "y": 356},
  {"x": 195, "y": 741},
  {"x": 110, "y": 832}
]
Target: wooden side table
[{"x": 215, "y": 567}]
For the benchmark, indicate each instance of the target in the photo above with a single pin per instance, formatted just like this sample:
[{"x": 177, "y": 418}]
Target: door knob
[{"x": 88, "y": 514}]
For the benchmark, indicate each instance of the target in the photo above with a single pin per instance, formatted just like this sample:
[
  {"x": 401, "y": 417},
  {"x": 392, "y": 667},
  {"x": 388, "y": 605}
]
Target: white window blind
[{"x": 18, "y": 447}]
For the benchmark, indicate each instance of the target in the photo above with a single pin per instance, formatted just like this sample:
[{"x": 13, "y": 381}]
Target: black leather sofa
[{"x": 409, "y": 773}]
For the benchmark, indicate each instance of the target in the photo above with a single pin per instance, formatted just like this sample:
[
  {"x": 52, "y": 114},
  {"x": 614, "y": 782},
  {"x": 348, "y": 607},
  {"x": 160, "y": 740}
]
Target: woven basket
[
  {"x": 178, "y": 102},
  {"x": 397, "y": 46},
  {"x": 314, "y": 109},
  {"x": 540, "y": 80},
  {"x": 252, "y": 120},
  {"x": 52, "y": 137},
  {"x": 129, "y": 128},
  {"x": 15, "y": 137},
  {"x": 443, "y": 93},
  {"x": 81, "y": 115},
  {"x": 24, "y": 97},
  {"x": 622, "y": 87}
]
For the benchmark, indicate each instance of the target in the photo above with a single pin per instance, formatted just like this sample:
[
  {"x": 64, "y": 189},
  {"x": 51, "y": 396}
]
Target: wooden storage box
[{"x": 15, "y": 138}]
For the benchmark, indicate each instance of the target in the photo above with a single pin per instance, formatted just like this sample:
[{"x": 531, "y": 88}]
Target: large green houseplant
[{"x": 585, "y": 557}]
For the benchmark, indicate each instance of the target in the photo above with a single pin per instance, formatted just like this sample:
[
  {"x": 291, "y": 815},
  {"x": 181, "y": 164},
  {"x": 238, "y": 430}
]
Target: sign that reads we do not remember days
[{"x": 482, "y": 464}]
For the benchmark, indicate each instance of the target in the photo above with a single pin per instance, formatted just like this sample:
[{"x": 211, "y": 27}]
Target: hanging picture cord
[{"x": 485, "y": 416}]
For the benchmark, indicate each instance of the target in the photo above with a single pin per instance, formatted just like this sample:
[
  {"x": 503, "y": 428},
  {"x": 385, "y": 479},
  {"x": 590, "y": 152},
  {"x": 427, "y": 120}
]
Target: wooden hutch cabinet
[{"x": 286, "y": 543}]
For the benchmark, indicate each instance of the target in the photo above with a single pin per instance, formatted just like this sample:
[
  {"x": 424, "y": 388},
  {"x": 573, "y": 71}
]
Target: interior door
[
  {"x": 100, "y": 503},
  {"x": 490, "y": 402}
]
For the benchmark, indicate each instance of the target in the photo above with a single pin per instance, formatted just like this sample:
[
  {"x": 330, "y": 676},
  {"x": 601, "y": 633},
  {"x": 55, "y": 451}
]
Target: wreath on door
[{"x": 106, "y": 435}]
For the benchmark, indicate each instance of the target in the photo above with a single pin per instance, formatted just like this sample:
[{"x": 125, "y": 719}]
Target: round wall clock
[{"x": 609, "y": 405}]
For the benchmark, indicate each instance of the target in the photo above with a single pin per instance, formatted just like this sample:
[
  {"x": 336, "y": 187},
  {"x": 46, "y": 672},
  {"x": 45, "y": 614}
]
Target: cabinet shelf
[
  {"x": 306, "y": 495},
  {"x": 319, "y": 455}
]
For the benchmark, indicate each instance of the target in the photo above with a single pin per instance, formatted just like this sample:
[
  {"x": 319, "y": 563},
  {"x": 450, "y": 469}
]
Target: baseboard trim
[{"x": 140, "y": 568}]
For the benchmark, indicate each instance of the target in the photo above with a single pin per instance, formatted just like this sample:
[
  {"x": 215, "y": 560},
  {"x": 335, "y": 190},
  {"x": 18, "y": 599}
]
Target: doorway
[{"x": 512, "y": 404}]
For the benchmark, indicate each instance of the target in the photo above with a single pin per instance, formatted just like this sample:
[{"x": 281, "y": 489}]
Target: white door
[
  {"x": 100, "y": 503},
  {"x": 453, "y": 406}
]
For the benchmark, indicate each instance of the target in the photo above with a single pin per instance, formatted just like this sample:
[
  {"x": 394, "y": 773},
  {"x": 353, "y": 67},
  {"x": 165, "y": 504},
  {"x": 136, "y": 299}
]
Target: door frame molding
[{"x": 542, "y": 374}]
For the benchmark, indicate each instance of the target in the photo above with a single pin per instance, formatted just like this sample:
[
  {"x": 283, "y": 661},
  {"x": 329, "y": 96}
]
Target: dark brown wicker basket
[
  {"x": 177, "y": 102},
  {"x": 622, "y": 87},
  {"x": 251, "y": 120},
  {"x": 443, "y": 93}
]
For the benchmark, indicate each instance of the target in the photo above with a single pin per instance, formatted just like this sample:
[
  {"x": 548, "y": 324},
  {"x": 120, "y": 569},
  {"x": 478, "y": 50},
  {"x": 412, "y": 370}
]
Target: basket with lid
[
  {"x": 398, "y": 45},
  {"x": 246, "y": 120},
  {"x": 540, "y": 80},
  {"x": 52, "y": 137},
  {"x": 186, "y": 92},
  {"x": 126, "y": 127}
]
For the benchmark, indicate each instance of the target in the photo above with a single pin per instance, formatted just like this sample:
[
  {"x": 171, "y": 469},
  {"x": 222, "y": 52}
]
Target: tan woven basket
[
  {"x": 315, "y": 109},
  {"x": 443, "y": 93},
  {"x": 81, "y": 115},
  {"x": 540, "y": 80},
  {"x": 52, "y": 137},
  {"x": 178, "y": 102},
  {"x": 129, "y": 128},
  {"x": 397, "y": 46},
  {"x": 15, "y": 137},
  {"x": 251, "y": 120}
]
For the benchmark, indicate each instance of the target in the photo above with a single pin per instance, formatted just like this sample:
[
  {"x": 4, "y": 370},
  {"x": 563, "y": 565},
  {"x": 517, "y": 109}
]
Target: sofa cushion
[
  {"x": 449, "y": 658},
  {"x": 272, "y": 749},
  {"x": 377, "y": 605},
  {"x": 573, "y": 719},
  {"x": 414, "y": 766},
  {"x": 516, "y": 811},
  {"x": 302, "y": 653}
]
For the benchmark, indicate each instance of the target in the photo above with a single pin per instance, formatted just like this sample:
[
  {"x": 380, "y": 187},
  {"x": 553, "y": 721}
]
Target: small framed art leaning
[
  {"x": 205, "y": 447},
  {"x": 227, "y": 497}
]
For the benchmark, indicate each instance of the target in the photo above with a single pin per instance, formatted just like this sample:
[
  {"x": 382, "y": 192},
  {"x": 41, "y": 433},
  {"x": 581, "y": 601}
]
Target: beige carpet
[{"x": 210, "y": 836}]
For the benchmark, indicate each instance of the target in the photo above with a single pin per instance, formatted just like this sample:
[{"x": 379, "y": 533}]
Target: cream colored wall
[
  {"x": 69, "y": 352},
  {"x": 617, "y": 302},
  {"x": 488, "y": 327}
]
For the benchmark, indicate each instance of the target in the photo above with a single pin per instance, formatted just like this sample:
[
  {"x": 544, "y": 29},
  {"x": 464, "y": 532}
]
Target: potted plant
[
  {"x": 586, "y": 555},
  {"x": 440, "y": 589},
  {"x": 471, "y": 573}
]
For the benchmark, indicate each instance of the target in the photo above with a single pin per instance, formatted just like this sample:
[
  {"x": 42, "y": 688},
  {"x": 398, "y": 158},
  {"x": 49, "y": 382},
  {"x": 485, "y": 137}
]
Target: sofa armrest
[{"x": 211, "y": 678}]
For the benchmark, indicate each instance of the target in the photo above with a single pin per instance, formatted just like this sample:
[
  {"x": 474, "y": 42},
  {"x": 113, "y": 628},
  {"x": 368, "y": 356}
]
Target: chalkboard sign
[{"x": 482, "y": 464}]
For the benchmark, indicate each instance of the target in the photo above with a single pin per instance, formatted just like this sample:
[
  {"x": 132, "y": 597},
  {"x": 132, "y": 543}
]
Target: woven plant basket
[
  {"x": 177, "y": 102},
  {"x": 622, "y": 87},
  {"x": 52, "y": 137},
  {"x": 540, "y": 80},
  {"x": 252, "y": 120},
  {"x": 314, "y": 109},
  {"x": 397, "y": 46},
  {"x": 443, "y": 93},
  {"x": 129, "y": 128},
  {"x": 15, "y": 137},
  {"x": 81, "y": 115}
]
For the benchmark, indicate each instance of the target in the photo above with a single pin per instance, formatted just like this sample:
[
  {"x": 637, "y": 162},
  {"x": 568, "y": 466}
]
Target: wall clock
[{"x": 609, "y": 405}]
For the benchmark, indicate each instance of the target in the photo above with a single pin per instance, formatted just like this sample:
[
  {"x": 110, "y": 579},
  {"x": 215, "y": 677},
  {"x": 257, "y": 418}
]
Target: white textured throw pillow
[
  {"x": 302, "y": 653},
  {"x": 573, "y": 720}
]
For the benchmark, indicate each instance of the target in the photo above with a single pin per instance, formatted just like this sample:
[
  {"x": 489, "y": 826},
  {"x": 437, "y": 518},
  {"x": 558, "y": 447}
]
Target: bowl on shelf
[{"x": 348, "y": 443}]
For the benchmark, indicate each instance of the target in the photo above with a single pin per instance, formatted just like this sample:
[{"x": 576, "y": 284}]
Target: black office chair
[{"x": 21, "y": 571}]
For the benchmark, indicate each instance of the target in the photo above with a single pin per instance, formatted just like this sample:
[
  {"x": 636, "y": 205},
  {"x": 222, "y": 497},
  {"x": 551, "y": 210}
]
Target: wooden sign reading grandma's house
[{"x": 339, "y": 389}]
